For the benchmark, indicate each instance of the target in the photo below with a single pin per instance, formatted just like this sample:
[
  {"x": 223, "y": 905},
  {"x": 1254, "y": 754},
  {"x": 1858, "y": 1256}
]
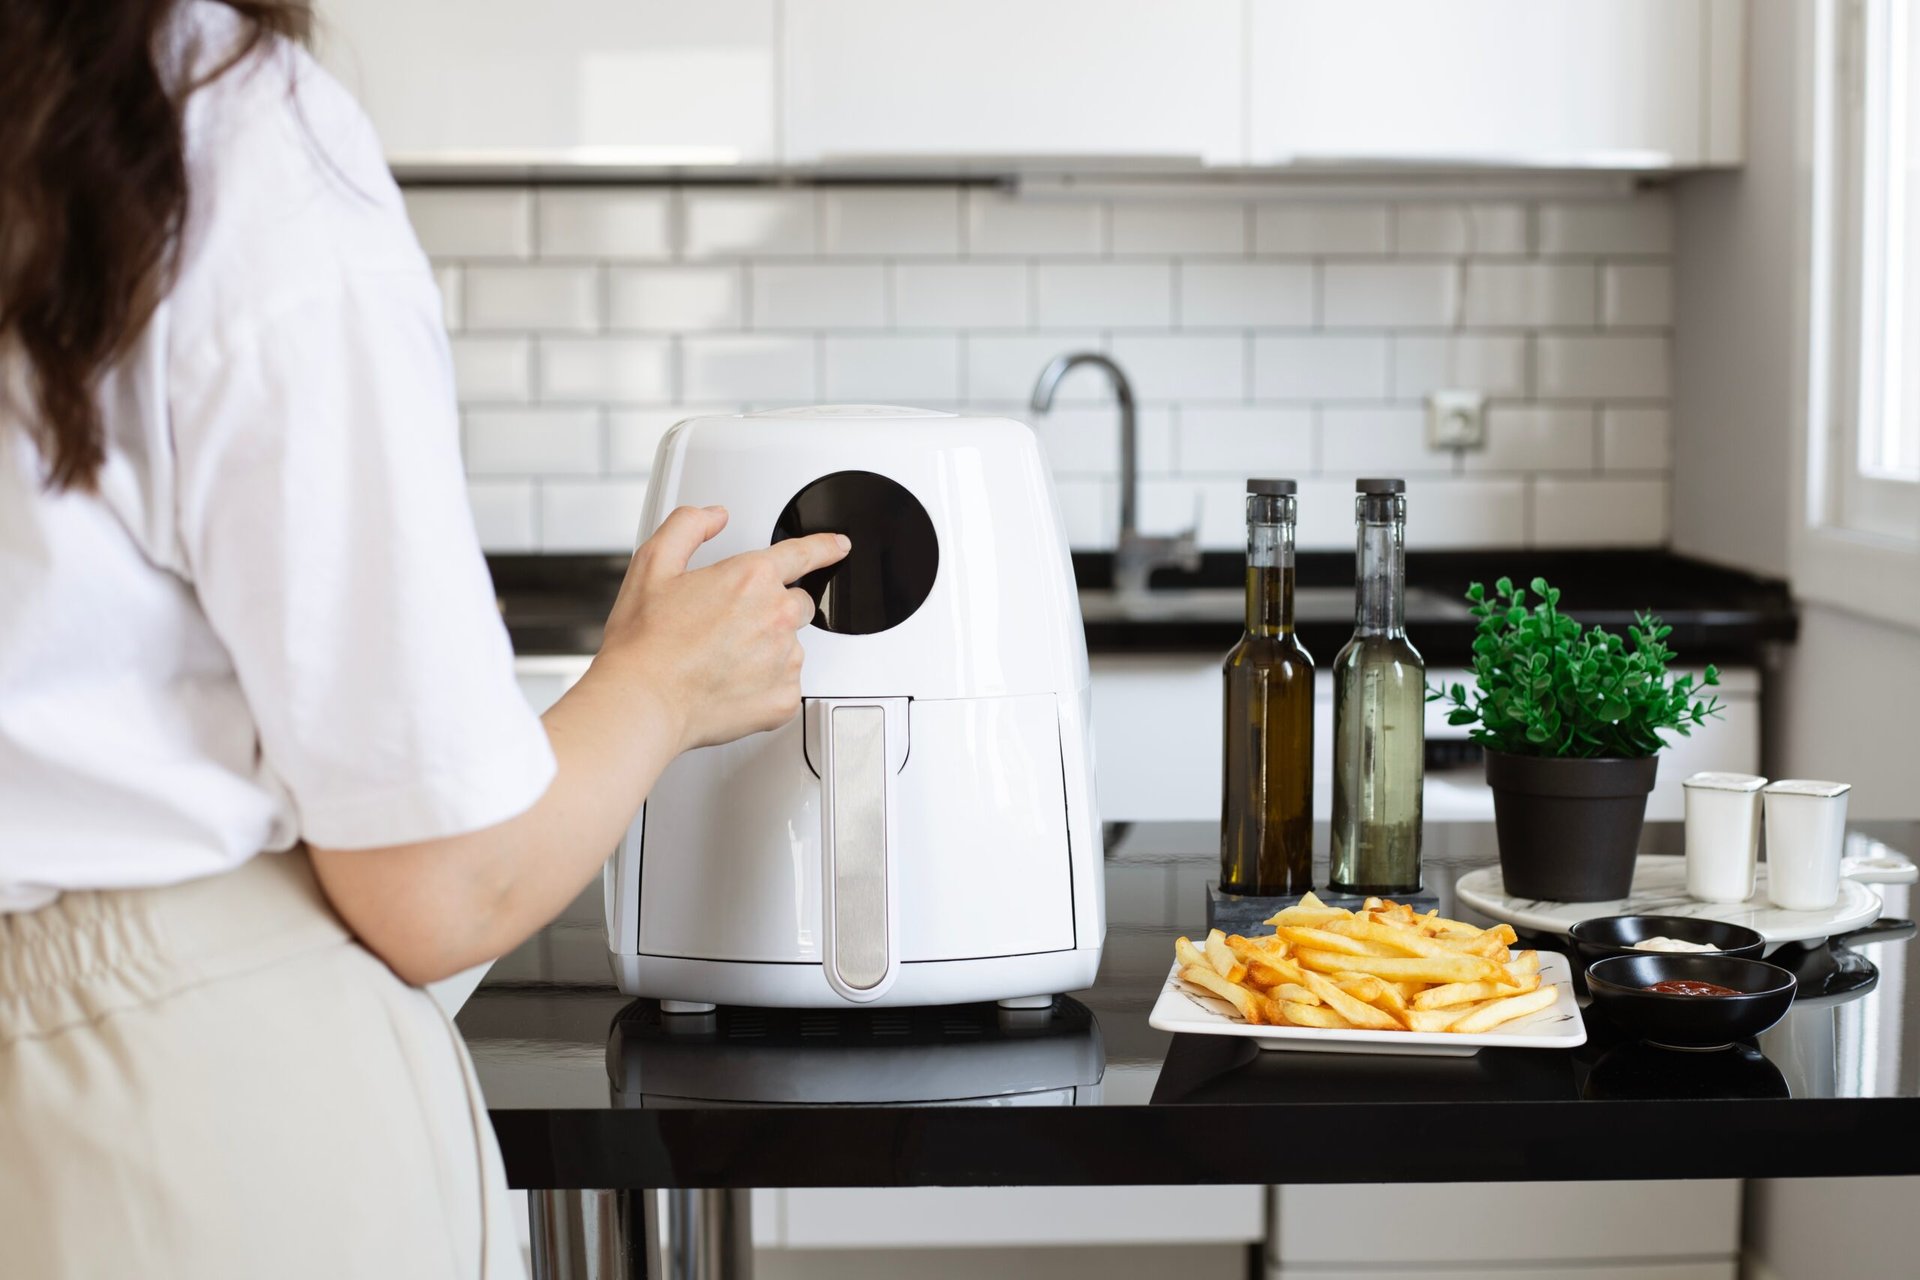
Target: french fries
[{"x": 1385, "y": 967}]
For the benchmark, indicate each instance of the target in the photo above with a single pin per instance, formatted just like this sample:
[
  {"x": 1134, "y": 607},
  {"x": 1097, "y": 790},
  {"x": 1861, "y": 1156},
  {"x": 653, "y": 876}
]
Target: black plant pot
[{"x": 1568, "y": 829}]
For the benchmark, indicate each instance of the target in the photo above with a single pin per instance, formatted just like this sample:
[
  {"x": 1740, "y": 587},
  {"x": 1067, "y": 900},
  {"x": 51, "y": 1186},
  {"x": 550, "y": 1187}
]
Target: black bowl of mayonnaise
[{"x": 1596, "y": 940}]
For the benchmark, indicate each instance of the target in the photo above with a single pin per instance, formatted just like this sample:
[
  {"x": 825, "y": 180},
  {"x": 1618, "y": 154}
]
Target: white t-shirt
[{"x": 273, "y": 622}]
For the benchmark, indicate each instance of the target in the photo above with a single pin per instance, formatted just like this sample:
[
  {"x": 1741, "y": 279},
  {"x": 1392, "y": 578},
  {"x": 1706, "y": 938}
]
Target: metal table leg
[{"x": 642, "y": 1235}]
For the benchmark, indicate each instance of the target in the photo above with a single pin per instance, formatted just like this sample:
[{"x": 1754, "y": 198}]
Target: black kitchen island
[{"x": 591, "y": 1091}]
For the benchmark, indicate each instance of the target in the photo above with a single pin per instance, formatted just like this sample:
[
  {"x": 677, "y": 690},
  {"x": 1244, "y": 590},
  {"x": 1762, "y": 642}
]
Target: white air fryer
[{"x": 924, "y": 832}]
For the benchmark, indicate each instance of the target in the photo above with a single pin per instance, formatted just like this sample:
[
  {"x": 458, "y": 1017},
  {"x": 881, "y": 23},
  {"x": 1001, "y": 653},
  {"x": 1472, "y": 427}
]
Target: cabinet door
[
  {"x": 1572, "y": 83},
  {"x": 943, "y": 80},
  {"x": 952, "y": 1217},
  {"x": 620, "y": 82}
]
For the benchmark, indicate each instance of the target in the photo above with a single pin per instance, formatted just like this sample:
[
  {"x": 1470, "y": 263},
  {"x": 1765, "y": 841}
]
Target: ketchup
[{"x": 1690, "y": 987}]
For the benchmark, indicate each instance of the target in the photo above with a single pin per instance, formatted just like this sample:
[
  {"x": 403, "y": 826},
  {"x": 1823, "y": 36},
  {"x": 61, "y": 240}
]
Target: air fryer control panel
[{"x": 895, "y": 557}]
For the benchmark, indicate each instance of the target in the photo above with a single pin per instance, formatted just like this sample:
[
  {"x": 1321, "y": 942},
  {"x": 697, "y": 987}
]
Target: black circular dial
[{"x": 895, "y": 555}]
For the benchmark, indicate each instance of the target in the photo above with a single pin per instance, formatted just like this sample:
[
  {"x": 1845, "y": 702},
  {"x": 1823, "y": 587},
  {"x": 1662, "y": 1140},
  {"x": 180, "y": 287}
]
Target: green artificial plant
[{"x": 1547, "y": 686}]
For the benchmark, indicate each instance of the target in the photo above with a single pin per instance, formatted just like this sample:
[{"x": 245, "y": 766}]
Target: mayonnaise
[{"x": 1671, "y": 944}]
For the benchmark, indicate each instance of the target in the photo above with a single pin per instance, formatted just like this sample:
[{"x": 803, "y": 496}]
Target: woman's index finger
[{"x": 797, "y": 557}]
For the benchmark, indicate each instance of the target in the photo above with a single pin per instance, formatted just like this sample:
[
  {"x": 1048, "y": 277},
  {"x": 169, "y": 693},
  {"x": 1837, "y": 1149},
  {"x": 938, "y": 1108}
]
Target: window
[{"x": 1865, "y": 477}]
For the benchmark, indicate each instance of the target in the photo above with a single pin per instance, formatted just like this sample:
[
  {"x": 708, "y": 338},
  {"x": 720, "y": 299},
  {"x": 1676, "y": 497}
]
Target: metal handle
[{"x": 862, "y": 744}]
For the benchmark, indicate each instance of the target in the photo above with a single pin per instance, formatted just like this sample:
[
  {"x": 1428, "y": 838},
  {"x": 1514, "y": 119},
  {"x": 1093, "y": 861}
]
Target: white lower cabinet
[
  {"x": 1157, "y": 742},
  {"x": 950, "y": 1217},
  {"x": 1718, "y": 1269},
  {"x": 1642, "y": 1230}
]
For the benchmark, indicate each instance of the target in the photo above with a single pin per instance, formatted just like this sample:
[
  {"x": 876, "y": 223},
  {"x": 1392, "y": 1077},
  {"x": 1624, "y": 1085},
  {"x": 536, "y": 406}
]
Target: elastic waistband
[{"x": 93, "y": 952}]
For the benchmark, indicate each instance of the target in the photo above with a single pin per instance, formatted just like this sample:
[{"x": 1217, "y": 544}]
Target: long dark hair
[{"x": 93, "y": 193}]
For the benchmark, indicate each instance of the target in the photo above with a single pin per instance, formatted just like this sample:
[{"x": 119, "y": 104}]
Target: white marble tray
[
  {"x": 1660, "y": 889},
  {"x": 1558, "y": 1026}
]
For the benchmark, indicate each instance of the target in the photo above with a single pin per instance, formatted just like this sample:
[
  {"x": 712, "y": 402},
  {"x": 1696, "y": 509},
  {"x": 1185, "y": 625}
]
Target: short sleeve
[{"x": 323, "y": 513}]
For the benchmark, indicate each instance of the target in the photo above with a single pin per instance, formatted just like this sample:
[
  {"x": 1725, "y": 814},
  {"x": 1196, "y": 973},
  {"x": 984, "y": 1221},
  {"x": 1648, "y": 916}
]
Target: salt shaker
[
  {"x": 1723, "y": 835},
  {"x": 1806, "y": 829}
]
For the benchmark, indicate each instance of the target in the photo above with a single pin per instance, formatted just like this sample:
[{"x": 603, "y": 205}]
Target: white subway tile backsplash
[
  {"x": 605, "y": 370},
  {"x": 1372, "y": 440},
  {"x": 595, "y": 222},
  {"x": 1599, "y": 512},
  {"x": 1456, "y": 514},
  {"x": 1642, "y": 224},
  {"x": 449, "y": 279},
  {"x": 1476, "y": 230},
  {"x": 1636, "y": 439},
  {"x": 590, "y": 515},
  {"x": 1001, "y": 224},
  {"x": 634, "y": 434},
  {"x": 554, "y": 298},
  {"x": 1089, "y": 508},
  {"x": 1637, "y": 294},
  {"x": 532, "y": 442},
  {"x": 503, "y": 514},
  {"x": 1005, "y": 366},
  {"x": 1183, "y": 366},
  {"x": 818, "y": 295},
  {"x": 1246, "y": 440},
  {"x": 771, "y": 368},
  {"x": 1246, "y": 294},
  {"x": 1601, "y": 366},
  {"x": 747, "y": 221},
  {"x": 588, "y": 320},
  {"x": 1310, "y": 227},
  {"x": 960, "y": 295},
  {"x": 1317, "y": 367},
  {"x": 1084, "y": 440},
  {"x": 892, "y": 369},
  {"x": 1378, "y": 295},
  {"x": 1216, "y": 508},
  {"x": 1179, "y": 226},
  {"x": 891, "y": 221},
  {"x": 1529, "y": 294},
  {"x": 1495, "y": 364},
  {"x": 675, "y": 298},
  {"x": 1107, "y": 294},
  {"x": 1525, "y": 438},
  {"x": 492, "y": 370},
  {"x": 472, "y": 222}
]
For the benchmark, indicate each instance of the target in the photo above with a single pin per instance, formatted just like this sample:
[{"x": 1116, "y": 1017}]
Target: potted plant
[{"x": 1570, "y": 718}]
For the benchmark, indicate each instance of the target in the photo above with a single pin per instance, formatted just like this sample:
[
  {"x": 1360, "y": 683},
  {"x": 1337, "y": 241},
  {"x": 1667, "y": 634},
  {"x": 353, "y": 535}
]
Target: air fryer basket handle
[{"x": 859, "y": 744}]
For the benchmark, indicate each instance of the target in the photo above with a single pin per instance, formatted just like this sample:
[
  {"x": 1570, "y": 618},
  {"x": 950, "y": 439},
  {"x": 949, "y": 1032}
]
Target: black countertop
[
  {"x": 590, "y": 1089},
  {"x": 556, "y": 604}
]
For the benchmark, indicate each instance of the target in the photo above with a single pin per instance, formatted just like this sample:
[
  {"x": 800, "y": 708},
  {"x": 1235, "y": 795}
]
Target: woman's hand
[{"x": 716, "y": 650}]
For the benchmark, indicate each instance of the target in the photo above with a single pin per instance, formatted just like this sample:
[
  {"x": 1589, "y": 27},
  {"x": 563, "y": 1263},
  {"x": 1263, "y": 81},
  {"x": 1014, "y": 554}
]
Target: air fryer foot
[
  {"x": 686, "y": 1006},
  {"x": 1027, "y": 1002}
]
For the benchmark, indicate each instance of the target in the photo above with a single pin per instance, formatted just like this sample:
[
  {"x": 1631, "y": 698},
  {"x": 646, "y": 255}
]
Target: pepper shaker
[{"x": 1806, "y": 830}]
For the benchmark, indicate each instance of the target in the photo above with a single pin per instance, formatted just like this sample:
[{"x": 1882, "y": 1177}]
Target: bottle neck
[
  {"x": 1380, "y": 593},
  {"x": 1269, "y": 565}
]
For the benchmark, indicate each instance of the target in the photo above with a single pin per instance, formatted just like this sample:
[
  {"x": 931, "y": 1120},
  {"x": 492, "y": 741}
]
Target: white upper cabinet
[
  {"x": 927, "y": 81},
  {"x": 623, "y": 83},
  {"x": 1616, "y": 84}
]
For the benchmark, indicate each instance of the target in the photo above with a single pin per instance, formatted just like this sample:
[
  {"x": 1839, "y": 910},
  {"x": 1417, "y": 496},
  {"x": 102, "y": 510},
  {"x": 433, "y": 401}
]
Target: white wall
[
  {"x": 1848, "y": 696},
  {"x": 1290, "y": 337},
  {"x": 1734, "y": 329}
]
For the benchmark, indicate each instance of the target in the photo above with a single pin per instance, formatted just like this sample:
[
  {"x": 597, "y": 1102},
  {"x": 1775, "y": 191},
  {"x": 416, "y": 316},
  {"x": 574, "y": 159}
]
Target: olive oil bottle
[
  {"x": 1379, "y": 712},
  {"x": 1266, "y": 806}
]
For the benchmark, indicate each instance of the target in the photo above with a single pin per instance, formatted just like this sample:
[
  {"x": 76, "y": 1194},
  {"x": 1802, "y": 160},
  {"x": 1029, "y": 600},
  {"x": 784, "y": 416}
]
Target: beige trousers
[{"x": 215, "y": 1080}]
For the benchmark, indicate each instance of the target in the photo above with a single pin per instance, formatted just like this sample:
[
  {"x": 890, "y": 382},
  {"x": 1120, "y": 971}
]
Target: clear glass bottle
[
  {"x": 1379, "y": 712},
  {"x": 1266, "y": 806}
]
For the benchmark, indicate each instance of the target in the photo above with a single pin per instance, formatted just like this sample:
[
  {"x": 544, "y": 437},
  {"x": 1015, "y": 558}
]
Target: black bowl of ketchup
[{"x": 1680, "y": 1001}]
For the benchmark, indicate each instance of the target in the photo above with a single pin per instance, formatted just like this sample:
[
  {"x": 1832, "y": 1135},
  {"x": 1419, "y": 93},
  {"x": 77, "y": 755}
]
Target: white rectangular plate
[{"x": 1558, "y": 1026}]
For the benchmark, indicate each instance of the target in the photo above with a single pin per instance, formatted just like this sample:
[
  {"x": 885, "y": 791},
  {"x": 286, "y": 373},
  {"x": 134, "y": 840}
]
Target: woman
[{"x": 263, "y": 766}]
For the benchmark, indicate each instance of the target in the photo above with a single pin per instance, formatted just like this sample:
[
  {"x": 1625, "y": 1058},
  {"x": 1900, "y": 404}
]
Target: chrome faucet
[{"x": 1136, "y": 556}]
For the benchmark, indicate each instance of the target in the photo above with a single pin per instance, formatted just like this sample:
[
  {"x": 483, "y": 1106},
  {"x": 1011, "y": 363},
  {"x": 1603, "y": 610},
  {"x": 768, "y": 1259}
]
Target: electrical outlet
[{"x": 1457, "y": 420}]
